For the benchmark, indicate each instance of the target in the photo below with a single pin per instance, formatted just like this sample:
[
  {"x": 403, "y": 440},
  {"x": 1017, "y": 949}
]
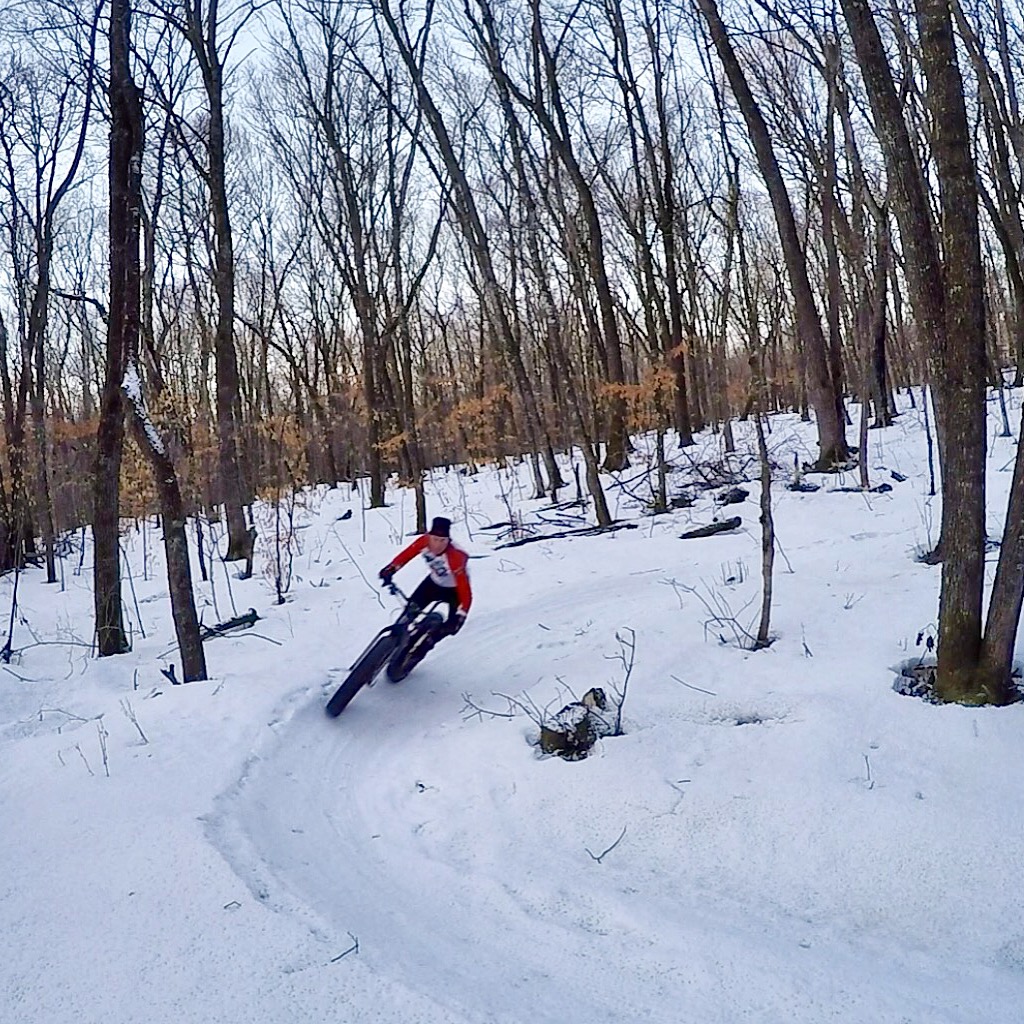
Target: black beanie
[{"x": 441, "y": 527}]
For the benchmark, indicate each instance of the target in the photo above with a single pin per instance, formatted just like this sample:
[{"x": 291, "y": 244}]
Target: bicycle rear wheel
[
  {"x": 363, "y": 672},
  {"x": 419, "y": 644}
]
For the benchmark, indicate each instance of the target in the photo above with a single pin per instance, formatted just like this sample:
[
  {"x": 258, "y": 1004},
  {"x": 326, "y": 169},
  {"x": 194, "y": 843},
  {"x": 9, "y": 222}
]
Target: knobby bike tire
[{"x": 362, "y": 673}]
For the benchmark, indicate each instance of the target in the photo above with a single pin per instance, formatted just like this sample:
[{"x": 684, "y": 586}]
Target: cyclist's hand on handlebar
[
  {"x": 387, "y": 574},
  {"x": 456, "y": 622}
]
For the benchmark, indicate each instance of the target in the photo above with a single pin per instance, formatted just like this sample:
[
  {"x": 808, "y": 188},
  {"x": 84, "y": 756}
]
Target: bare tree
[
  {"x": 522, "y": 184},
  {"x": 822, "y": 386},
  {"x": 1001, "y": 144},
  {"x": 655, "y": 169},
  {"x": 201, "y": 26},
  {"x": 126, "y": 147},
  {"x": 544, "y": 100},
  {"x": 364, "y": 210},
  {"x": 44, "y": 122},
  {"x": 948, "y": 294},
  {"x": 468, "y": 216}
]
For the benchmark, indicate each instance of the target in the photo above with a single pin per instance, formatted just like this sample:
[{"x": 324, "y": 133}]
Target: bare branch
[{"x": 601, "y": 856}]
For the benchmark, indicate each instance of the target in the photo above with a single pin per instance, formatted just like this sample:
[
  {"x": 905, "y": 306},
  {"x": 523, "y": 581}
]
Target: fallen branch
[
  {"x": 24, "y": 679},
  {"x": 220, "y": 632},
  {"x": 470, "y": 709},
  {"x": 587, "y": 531},
  {"x": 67, "y": 714},
  {"x": 690, "y": 686},
  {"x": 600, "y": 857},
  {"x": 562, "y": 506},
  {"x": 882, "y": 488},
  {"x": 354, "y": 948}
]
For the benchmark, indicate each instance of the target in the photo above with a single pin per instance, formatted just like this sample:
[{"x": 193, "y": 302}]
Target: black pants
[{"x": 429, "y": 591}]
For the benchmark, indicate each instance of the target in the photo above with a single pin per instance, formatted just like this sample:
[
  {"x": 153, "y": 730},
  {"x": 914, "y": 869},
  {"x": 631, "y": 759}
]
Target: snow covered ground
[{"x": 777, "y": 837}]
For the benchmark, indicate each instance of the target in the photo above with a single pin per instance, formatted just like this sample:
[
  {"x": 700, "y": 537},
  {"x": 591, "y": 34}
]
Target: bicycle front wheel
[{"x": 363, "y": 672}]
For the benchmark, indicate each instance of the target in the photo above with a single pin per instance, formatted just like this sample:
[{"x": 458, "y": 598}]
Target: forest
[{"x": 250, "y": 247}]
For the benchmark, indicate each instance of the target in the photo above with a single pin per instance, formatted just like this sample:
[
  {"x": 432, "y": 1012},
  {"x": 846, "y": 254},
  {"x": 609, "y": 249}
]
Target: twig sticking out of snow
[
  {"x": 601, "y": 856},
  {"x": 354, "y": 948}
]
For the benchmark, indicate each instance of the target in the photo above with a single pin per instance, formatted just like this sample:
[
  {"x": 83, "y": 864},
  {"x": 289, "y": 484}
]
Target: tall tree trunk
[
  {"x": 37, "y": 322},
  {"x": 17, "y": 527},
  {"x": 110, "y": 632},
  {"x": 126, "y": 146},
  {"x": 833, "y": 277},
  {"x": 831, "y": 429},
  {"x": 8, "y": 537},
  {"x": 948, "y": 298},
  {"x": 962, "y": 361},
  {"x": 203, "y": 40},
  {"x": 228, "y": 403},
  {"x": 878, "y": 331}
]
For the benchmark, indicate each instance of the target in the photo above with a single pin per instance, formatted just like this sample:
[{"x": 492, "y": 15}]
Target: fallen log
[
  {"x": 246, "y": 621},
  {"x": 712, "y": 528}
]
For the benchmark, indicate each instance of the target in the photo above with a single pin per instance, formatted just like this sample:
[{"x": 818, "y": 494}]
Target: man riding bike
[{"x": 448, "y": 580}]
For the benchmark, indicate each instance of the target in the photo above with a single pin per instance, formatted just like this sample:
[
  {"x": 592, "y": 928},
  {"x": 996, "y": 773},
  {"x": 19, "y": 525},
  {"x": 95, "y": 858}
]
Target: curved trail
[
  {"x": 344, "y": 820},
  {"x": 367, "y": 826}
]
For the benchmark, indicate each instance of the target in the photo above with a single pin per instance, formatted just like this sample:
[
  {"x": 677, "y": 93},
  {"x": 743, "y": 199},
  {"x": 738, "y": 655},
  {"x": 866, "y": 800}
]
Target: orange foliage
[
  {"x": 646, "y": 401},
  {"x": 485, "y": 422},
  {"x": 285, "y": 456}
]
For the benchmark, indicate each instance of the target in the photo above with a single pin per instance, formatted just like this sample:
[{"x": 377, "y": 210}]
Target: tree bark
[
  {"x": 17, "y": 532},
  {"x": 110, "y": 632},
  {"x": 948, "y": 299},
  {"x": 878, "y": 328},
  {"x": 962, "y": 361},
  {"x": 111, "y": 637},
  {"x": 37, "y": 398}
]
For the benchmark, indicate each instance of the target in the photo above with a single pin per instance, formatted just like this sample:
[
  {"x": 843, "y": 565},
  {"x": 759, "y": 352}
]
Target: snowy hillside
[{"x": 777, "y": 837}]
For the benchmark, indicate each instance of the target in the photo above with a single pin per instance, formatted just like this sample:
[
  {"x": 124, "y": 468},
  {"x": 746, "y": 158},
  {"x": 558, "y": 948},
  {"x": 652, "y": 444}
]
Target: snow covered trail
[
  {"x": 365, "y": 826},
  {"x": 777, "y": 837}
]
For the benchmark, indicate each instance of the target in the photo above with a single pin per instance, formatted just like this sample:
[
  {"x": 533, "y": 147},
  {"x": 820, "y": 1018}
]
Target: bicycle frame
[{"x": 401, "y": 625}]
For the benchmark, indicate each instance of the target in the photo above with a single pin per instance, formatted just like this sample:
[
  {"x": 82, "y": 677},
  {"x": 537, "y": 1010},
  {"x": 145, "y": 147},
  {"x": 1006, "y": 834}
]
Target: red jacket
[{"x": 448, "y": 569}]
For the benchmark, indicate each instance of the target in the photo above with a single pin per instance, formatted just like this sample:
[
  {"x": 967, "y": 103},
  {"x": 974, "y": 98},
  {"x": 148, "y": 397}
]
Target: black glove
[
  {"x": 387, "y": 573},
  {"x": 456, "y": 622}
]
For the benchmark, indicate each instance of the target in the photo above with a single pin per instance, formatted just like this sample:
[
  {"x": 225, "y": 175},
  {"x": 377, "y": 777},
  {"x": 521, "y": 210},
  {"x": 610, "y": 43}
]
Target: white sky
[{"x": 796, "y": 842}]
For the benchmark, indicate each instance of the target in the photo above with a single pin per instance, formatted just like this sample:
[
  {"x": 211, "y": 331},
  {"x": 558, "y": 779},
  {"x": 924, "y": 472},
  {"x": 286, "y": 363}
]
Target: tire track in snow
[
  {"x": 326, "y": 821},
  {"x": 331, "y": 821}
]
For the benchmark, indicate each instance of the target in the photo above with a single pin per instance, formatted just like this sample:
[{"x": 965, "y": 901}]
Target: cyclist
[{"x": 448, "y": 579}]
